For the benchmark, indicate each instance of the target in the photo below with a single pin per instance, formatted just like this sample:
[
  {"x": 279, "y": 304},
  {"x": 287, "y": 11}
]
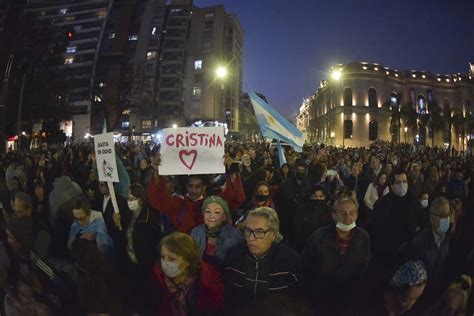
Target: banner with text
[
  {"x": 192, "y": 150},
  {"x": 105, "y": 157}
]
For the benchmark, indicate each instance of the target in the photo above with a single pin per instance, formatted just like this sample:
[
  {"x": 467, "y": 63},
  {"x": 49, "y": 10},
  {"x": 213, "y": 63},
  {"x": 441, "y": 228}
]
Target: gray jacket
[{"x": 228, "y": 238}]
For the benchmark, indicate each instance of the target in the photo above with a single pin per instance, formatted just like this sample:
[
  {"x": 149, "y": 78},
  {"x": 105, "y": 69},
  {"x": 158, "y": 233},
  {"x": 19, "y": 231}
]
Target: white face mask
[
  {"x": 133, "y": 205},
  {"x": 400, "y": 189},
  {"x": 344, "y": 227},
  {"x": 171, "y": 269},
  {"x": 424, "y": 203}
]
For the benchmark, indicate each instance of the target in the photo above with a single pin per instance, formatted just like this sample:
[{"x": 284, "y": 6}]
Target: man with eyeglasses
[
  {"x": 263, "y": 265},
  {"x": 432, "y": 246}
]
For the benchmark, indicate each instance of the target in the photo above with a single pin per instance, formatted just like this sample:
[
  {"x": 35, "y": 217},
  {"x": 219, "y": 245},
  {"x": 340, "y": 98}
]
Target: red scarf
[{"x": 178, "y": 294}]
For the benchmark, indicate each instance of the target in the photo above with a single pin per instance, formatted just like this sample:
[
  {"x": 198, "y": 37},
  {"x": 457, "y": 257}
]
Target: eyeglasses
[
  {"x": 441, "y": 216},
  {"x": 257, "y": 234},
  {"x": 464, "y": 284}
]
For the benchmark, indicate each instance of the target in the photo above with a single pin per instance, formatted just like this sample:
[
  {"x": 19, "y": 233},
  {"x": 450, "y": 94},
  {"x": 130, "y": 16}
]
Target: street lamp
[
  {"x": 175, "y": 126},
  {"x": 221, "y": 74},
  {"x": 406, "y": 130}
]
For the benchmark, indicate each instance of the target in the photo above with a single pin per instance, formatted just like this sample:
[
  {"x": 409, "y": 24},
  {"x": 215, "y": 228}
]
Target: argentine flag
[{"x": 273, "y": 125}]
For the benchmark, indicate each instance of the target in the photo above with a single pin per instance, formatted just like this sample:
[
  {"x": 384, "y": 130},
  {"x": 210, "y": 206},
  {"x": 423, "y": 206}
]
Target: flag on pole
[
  {"x": 281, "y": 155},
  {"x": 273, "y": 125}
]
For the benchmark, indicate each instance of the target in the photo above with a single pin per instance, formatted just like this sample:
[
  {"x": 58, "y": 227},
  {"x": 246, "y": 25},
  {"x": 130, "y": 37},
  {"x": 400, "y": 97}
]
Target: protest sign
[
  {"x": 106, "y": 165},
  {"x": 105, "y": 157},
  {"x": 192, "y": 150}
]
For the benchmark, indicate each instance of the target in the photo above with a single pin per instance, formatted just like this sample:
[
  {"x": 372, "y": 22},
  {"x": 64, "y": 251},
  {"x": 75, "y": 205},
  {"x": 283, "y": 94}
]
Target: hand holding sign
[{"x": 191, "y": 151}]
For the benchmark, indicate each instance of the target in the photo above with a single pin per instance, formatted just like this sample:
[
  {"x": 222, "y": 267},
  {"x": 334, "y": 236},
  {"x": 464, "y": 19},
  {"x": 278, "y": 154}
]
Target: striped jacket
[{"x": 247, "y": 277}]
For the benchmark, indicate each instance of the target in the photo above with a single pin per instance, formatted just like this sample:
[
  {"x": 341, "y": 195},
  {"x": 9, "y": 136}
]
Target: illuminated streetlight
[
  {"x": 175, "y": 126},
  {"x": 336, "y": 74},
  {"x": 221, "y": 72}
]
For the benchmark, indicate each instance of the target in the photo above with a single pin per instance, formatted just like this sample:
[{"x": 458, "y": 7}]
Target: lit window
[
  {"x": 133, "y": 37},
  {"x": 151, "y": 55},
  {"x": 63, "y": 11},
  {"x": 153, "y": 30},
  {"x": 71, "y": 49},
  {"x": 70, "y": 18},
  {"x": 102, "y": 13},
  {"x": 197, "y": 64},
  {"x": 68, "y": 60},
  {"x": 126, "y": 124},
  {"x": 111, "y": 35},
  {"x": 196, "y": 91},
  {"x": 146, "y": 124}
]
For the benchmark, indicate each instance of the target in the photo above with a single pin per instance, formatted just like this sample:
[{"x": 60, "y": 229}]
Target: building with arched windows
[{"x": 363, "y": 102}]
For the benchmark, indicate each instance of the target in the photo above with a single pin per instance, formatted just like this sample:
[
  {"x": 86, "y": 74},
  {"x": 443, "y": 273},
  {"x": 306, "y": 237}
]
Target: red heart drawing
[{"x": 185, "y": 153}]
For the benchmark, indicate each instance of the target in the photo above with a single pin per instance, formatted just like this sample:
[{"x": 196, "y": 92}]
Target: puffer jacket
[
  {"x": 247, "y": 277},
  {"x": 229, "y": 237}
]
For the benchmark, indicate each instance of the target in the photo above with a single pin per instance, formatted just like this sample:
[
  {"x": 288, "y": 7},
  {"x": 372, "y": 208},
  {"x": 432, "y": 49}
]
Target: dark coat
[
  {"x": 394, "y": 223},
  {"x": 146, "y": 236},
  {"x": 309, "y": 216},
  {"x": 325, "y": 268},
  {"x": 118, "y": 236},
  {"x": 247, "y": 277},
  {"x": 423, "y": 247}
]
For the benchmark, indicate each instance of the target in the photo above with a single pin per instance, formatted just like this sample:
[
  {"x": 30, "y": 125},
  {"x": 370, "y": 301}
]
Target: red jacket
[
  {"x": 209, "y": 296},
  {"x": 184, "y": 213}
]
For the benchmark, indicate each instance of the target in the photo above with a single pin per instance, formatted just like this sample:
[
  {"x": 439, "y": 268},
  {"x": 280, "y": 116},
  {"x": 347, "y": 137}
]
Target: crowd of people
[{"x": 382, "y": 230}]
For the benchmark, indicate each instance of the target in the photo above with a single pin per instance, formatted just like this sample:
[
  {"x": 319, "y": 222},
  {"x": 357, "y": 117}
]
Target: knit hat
[
  {"x": 21, "y": 227},
  {"x": 216, "y": 199},
  {"x": 410, "y": 274}
]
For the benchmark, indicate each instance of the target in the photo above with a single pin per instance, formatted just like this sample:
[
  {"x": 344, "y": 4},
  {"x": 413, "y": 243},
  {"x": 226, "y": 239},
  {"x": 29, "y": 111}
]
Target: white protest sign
[
  {"x": 192, "y": 150},
  {"x": 105, "y": 157}
]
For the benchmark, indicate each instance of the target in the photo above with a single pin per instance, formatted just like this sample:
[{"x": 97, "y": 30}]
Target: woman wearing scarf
[
  {"x": 184, "y": 284},
  {"x": 215, "y": 237}
]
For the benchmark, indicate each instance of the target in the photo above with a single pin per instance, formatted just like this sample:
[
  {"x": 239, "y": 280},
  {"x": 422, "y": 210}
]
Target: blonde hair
[
  {"x": 272, "y": 219},
  {"x": 186, "y": 247}
]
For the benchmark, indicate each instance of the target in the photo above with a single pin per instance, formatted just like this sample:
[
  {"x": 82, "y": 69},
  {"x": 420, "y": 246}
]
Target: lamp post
[
  {"x": 221, "y": 74},
  {"x": 406, "y": 130}
]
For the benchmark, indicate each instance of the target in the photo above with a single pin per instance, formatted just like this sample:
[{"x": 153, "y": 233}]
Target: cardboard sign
[
  {"x": 192, "y": 150},
  {"x": 105, "y": 157}
]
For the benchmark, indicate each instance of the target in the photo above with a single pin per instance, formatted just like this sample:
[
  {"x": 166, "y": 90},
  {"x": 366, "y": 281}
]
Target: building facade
[
  {"x": 82, "y": 22},
  {"x": 363, "y": 102},
  {"x": 171, "y": 51}
]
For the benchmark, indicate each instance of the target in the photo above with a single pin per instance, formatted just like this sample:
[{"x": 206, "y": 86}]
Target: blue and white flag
[
  {"x": 281, "y": 155},
  {"x": 273, "y": 125}
]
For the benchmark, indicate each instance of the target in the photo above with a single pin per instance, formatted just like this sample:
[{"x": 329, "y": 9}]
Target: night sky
[{"x": 290, "y": 45}]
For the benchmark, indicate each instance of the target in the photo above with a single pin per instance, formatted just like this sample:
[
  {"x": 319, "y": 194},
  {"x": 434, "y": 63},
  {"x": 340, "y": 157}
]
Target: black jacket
[
  {"x": 118, "y": 236},
  {"x": 247, "y": 277},
  {"x": 394, "y": 223},
  {"x": 146, "y": 236},
  {"x": 325, "y": 268},
  {"x": 309, "y": 216}
]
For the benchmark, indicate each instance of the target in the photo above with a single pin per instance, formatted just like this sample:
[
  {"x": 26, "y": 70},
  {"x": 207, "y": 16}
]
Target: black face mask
[
  {"x": 300, "y": 176},
  {"x": 261, "y": 197}
]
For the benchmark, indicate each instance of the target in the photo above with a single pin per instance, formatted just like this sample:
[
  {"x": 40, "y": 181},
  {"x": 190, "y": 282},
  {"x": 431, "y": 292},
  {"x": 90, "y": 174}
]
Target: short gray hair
[
  {"x": 272, "y": 219},
  {"x": 438, "y": 203},
  {"x": 25, "y": 199},
  {"x": 345, "y": 200}
]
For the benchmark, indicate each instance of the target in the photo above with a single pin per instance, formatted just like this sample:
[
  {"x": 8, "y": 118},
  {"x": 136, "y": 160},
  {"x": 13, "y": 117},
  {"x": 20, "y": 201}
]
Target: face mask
[
  {"x": 133, "y": 205},
  {"x": 344, "y": 227},
  {"x": 171, "y": 269},
  {"x": 443, "y": 225},
  {"x": 424, "y": 203},
  {"x": 401, "y": 189},
  {"x": 261, "y": 197},
  {"x": 300, "y": 176}
]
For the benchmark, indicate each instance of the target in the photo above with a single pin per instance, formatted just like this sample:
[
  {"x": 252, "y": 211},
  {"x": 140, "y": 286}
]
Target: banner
[
  {"x": 192, "y": 150},
  {"x": 105, "y": 157}
]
